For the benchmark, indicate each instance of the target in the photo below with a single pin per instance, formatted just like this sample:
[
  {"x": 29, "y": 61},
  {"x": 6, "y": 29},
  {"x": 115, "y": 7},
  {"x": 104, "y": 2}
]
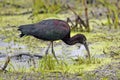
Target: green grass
[{"x": 49, "y": 64}]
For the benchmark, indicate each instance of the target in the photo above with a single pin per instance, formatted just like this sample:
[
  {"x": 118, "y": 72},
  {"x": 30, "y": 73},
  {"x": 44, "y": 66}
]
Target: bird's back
[{"x": 51, "y": 29}]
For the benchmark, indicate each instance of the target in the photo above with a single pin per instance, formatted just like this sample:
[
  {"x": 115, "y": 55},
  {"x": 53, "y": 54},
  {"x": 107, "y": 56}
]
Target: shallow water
[
  {"x": 63, "y": 52},
  {"x": 11, "y": 47},
  {"x": 60, "y": 50}
]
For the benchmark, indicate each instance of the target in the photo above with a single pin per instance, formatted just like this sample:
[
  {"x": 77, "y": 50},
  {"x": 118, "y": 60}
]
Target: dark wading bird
[{"x": 52, "y": 30}]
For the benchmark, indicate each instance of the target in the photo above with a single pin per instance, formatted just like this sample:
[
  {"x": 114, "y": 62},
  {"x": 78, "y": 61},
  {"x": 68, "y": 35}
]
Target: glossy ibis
[{"x": 52, "y": 30}]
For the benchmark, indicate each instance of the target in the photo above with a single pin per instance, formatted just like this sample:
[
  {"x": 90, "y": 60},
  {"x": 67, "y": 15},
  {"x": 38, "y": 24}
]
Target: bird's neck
[{"x": 71, "y": 41}]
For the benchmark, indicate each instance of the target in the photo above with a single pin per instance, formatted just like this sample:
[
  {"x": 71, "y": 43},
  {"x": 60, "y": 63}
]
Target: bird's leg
[
  {"x": 46, "y": 52},
  {"x": 53, "y": 52}
]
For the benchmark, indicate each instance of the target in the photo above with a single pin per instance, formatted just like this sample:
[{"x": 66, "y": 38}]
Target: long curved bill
[{"x": 87, "y": 49}]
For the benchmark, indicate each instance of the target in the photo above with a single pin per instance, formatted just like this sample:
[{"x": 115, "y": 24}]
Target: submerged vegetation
[{"x": 103, "y": 40}]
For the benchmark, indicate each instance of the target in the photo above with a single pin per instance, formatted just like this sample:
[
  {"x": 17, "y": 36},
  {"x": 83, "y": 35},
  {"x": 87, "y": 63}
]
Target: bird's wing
[{"x": 49, "y": 32}]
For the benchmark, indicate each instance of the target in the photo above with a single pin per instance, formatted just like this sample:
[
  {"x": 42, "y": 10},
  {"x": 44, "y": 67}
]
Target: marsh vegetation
[{"x": 103, "y": 35}]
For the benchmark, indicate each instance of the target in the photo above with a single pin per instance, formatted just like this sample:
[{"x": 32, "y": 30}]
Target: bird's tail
[
  {"x": 21, "y": 30},
  {"x": 26, "y": 29}
]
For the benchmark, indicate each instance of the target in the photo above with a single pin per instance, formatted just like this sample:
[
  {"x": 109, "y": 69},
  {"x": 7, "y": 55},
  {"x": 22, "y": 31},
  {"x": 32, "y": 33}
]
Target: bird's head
[{"x": 83, "y": 40}]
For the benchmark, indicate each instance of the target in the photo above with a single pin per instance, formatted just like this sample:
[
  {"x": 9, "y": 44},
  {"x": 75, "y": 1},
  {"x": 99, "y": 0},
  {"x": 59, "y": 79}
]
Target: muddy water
[
  {"x": 62, "y": 51},
  {"x": 5, "y": 47}
]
